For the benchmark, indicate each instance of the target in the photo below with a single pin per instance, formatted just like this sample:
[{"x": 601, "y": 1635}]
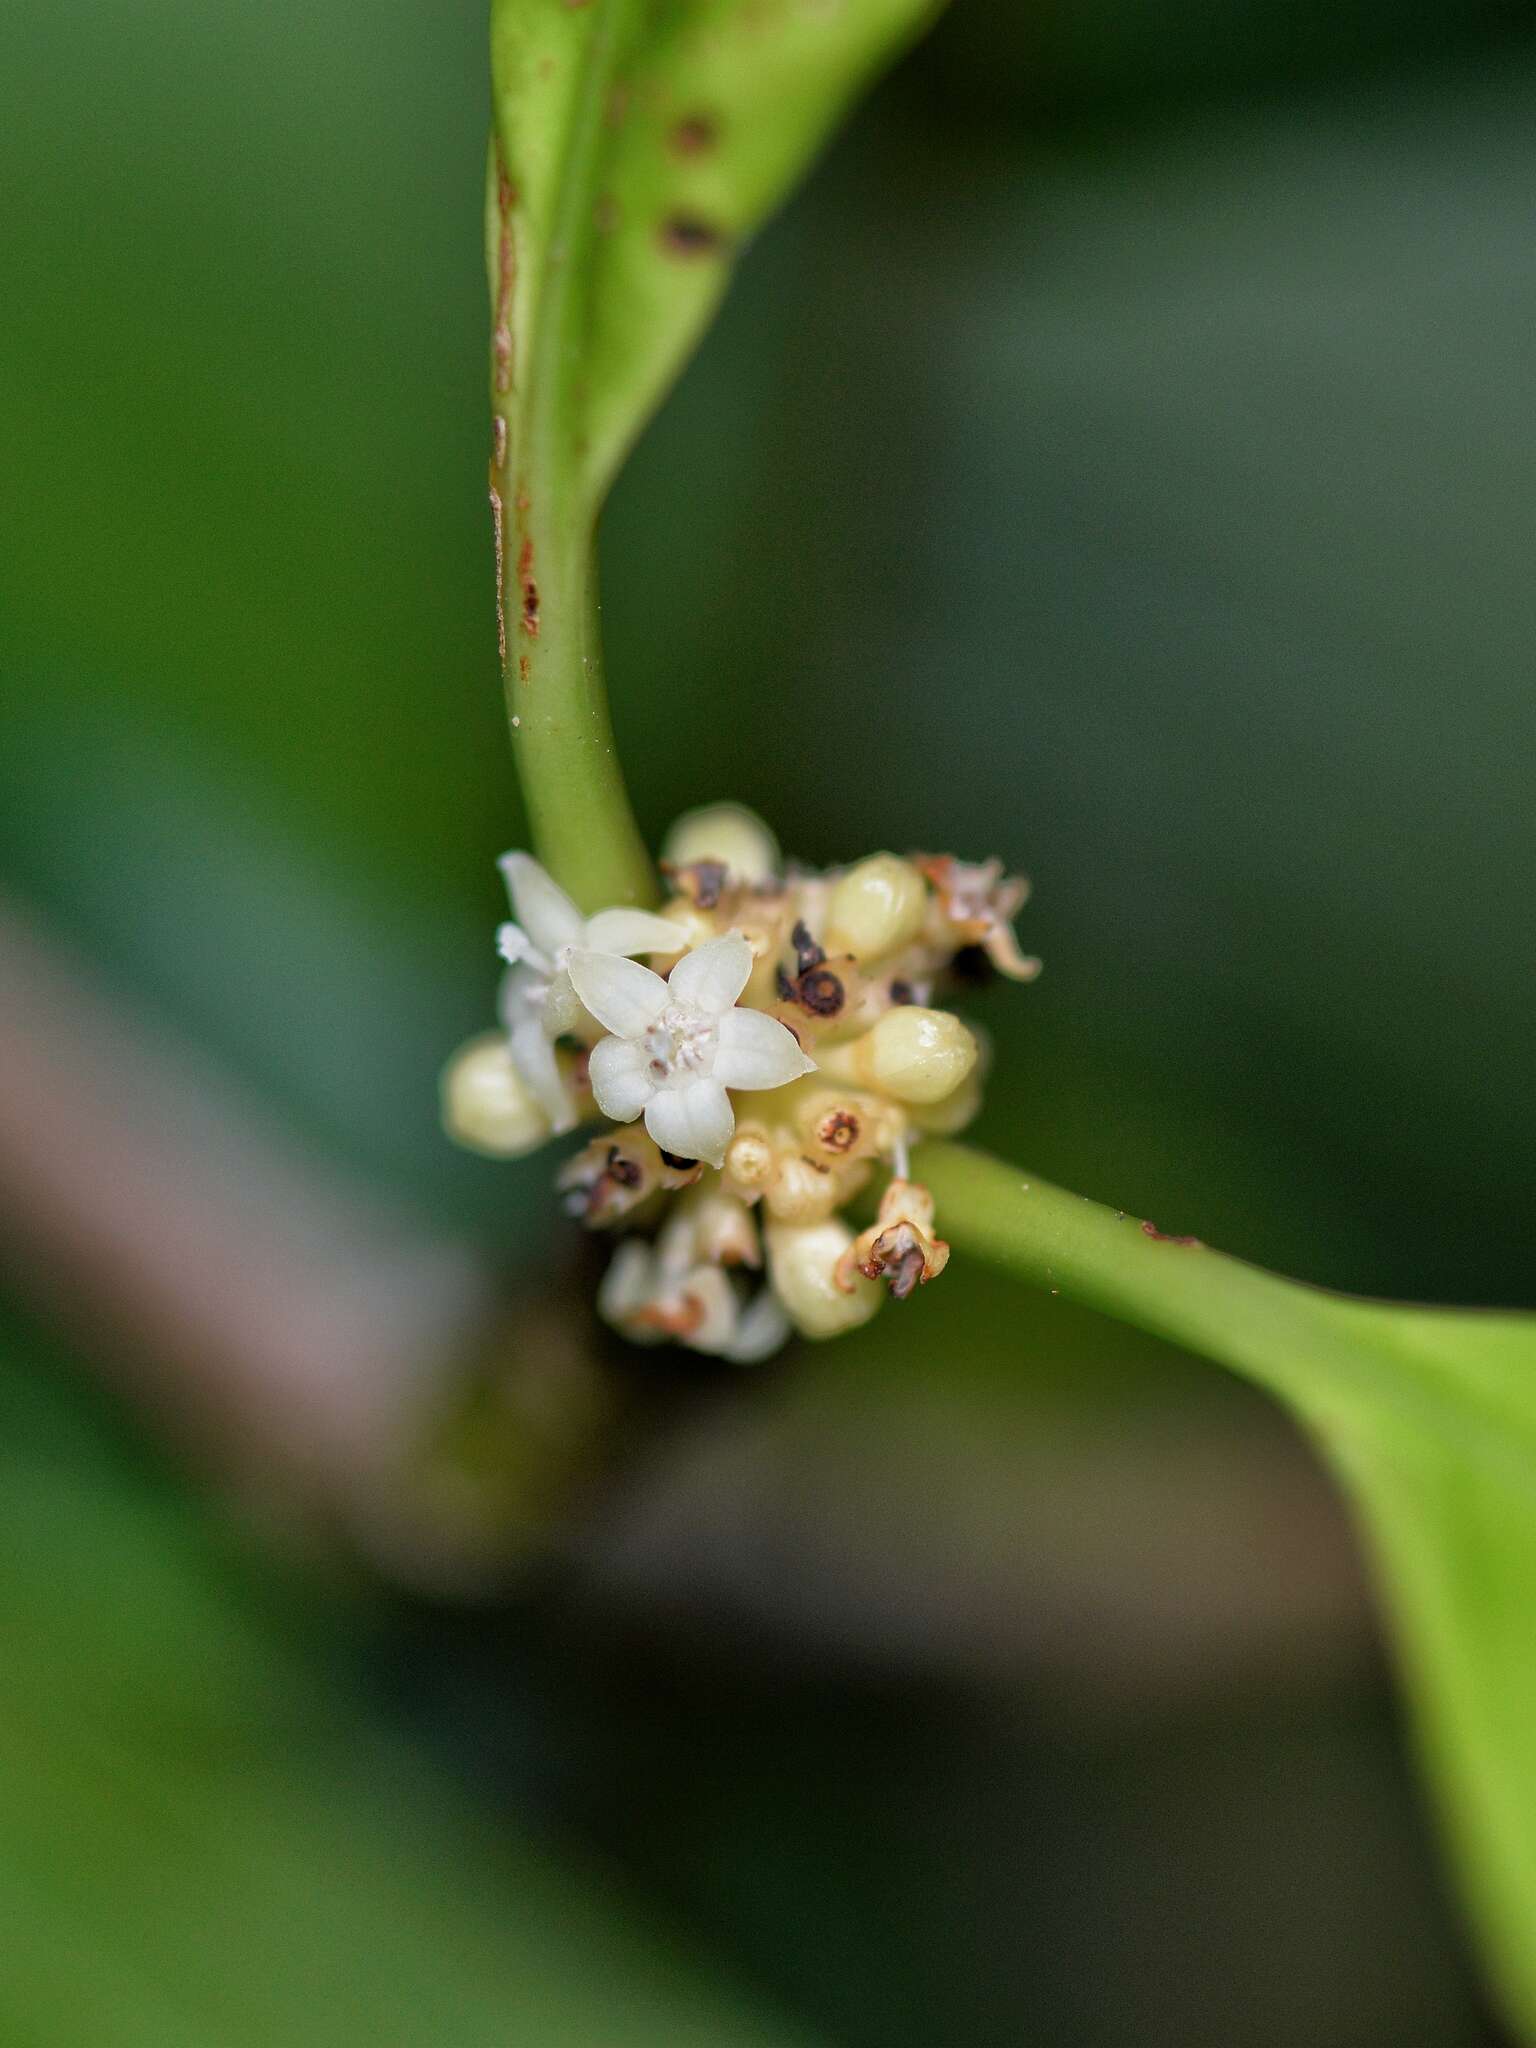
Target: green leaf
[
  {"x": 641, "y": 145},
  {"x": 1428, "y": 1416},
  {"x": 637, "y": 146}
]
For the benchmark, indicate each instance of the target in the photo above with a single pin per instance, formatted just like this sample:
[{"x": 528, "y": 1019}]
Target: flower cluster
[{"x": 781, "y": 1047}]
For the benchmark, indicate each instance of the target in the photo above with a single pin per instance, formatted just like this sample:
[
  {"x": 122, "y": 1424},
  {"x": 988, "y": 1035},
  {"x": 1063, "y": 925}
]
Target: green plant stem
[
  {"x": 1276, "y": 1331},
  {"x": 579, "y": 812}
]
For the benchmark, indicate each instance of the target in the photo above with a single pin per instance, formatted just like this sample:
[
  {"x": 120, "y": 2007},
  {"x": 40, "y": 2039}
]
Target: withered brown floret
[
  {"x": 899, "y": 1247},
  {"x": 979, "y": 903}
]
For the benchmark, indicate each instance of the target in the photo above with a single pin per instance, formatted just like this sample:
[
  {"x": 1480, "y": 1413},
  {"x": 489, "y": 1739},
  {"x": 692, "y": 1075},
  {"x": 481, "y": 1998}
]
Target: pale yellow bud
[
  {"x": 876, "y": 908},
  {"x": 952, "y": 1112},
  {"x": 728, "y": 833},
  {"x": 802, "y": 1191},
  {"x": 803, "y": 1265},
  {"x": 837, "y": 1124},
  {"x": 486, "y": 1103},
  {"x": 750, "y": 1160},
  {"x": 723, "y": 1230},
  {"x": 914, "y": 1054}
]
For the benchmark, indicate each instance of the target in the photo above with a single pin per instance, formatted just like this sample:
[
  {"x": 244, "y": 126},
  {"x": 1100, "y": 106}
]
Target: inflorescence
[{"x": 782, "y": 1045}]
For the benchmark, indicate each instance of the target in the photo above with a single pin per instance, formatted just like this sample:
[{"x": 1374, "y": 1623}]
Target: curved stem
[
  {"x": 1276, "y": 1331},
  {"x": 579, "y": 812}
]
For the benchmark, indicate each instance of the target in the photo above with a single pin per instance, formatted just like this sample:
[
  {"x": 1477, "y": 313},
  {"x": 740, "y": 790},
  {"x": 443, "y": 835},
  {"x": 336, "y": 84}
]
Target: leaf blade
[
  {"x": 1428, "y": 1418},
  {"x": 641, "y": 149}
]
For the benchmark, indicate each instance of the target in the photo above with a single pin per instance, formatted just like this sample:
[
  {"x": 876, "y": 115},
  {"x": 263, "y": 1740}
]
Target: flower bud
[
  {"x": 914, "y": 1054},
  {"x": 644, "y": 1302},
  {"x": 876, "y": 908},
  {"x": 724, "y": 1233},
  {"x": 802, "y": 1264},
  {"x": 610, "y": 1177},
  {"x": 486, "y": 1103},
  {"x": 627, "y": 1290},
  {"x": 952, "y": 1112},
  {"x": 802, "y": 1191},
  {"x": 729, "y": 833},
  {"x": 838, "y": 1124},
  {"x": 751, "y": 1160}
]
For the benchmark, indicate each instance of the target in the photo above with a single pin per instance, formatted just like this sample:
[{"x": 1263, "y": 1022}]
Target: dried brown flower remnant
[
  {"x": 899, "y": 1247},
  {"x": 980, "y": 903}
]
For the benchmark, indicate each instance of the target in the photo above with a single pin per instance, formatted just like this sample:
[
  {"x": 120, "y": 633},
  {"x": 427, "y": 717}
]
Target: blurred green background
[{"x": 1118, "y": 459}]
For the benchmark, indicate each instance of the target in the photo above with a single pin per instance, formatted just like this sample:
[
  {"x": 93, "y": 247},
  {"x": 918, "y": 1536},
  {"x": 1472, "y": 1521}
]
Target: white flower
[
  {"x": 538, "y": 1003},
  {"x": 678, "y": 1045},
  {"x": 650, "y": 1294}
]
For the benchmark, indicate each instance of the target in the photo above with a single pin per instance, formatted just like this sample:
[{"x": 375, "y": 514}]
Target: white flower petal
[
  {"x": 762, "y": 1328},
  {"x": 713, "y": 975},
  {"x": 707, "y": 1293},
  {"x": 515, "y": 946},
  {"x": 633, "y": 931},
  {"x": 561, "y": 1006},
  {"x": 629, "y": 1287},
  {"x": 621, "y": 1078},
  {"x": 693, "y": 1121},
  {"x": 756, "y": 1051},
  {"x": 541, "y": 907},
  {"x": 521, "y": 995},
  {"x": 534, "y": 1058},
  {"x": 623, "y": 996}
]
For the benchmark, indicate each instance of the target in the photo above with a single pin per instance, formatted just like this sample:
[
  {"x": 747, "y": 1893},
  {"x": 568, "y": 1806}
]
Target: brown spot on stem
[
  {"x": 506, "y": 278},
  {"x": 694, "y": 135},
  {"x": 530, "y": 618},
  {"x": 690, "y": 236},
  {"x": 606, "y": 215},
  {"x": 506, "y": 275},
  {"x": 498, "y": 536},
  {"x": 522, "y": 667},
  {"x": 1165, "y": 1237}
]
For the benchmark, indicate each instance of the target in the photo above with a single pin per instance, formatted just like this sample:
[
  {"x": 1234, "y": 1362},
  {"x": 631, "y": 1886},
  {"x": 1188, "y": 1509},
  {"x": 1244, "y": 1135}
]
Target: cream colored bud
[
  {"x": 803, "y": 1265},
  {"x": 486, "y": 1103},
  {"x": 802, "y": 1191},
  {"x": 628, "y": 1289},
  {"x": 724, "y": 1231},
  {"x": 838, "y": 1124},
  {"x": 876, "y": 908},
  {"x": 952, "y": 1112},
  {"x": 914, "y": 1054},
  {"x": 750, "y": 1160},
  {"x": 729, "y": 833}
]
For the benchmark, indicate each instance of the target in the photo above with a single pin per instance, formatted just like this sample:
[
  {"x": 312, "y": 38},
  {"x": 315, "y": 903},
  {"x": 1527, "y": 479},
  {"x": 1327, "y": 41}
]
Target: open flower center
[{"x": 681, "y": 1043}]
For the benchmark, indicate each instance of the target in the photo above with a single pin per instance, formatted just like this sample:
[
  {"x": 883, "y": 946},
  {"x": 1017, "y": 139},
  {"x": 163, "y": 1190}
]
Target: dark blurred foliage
[{"x": 1118, "y": 459}]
